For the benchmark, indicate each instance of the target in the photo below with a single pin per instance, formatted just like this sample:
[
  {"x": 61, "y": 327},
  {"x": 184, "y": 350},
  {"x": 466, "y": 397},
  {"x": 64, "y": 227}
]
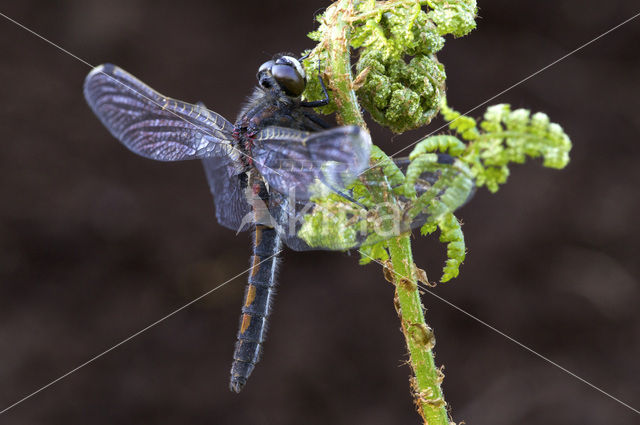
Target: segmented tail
[{"x": 256, "y": 307}]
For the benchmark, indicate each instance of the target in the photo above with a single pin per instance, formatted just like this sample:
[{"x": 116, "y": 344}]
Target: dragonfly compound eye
[
  {"x": 289, "y": 79},
  {"x": 265, "y": 67},
  {"x": 263, "y": 74}
]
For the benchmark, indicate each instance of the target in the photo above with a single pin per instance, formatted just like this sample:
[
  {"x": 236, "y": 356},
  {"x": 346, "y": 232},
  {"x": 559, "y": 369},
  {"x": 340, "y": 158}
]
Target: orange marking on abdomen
[
  {"x": 255, "y": 266},
  {"x": 251, "y": 295},
  {"x": 246, "y": 321}
]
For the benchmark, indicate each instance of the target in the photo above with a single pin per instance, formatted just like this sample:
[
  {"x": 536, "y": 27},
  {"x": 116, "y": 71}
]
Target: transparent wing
[
  {"x": 301, "y": 164},
  {"x": 152, "y": 125},
  {"x": 344, "y": 224},
  {"x": 232, "y": 209}
]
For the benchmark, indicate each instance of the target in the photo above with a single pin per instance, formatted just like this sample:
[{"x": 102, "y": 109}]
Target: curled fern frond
[
  {"x": 400, "y": 81},
  {"x": 463, "y": 125},
  {"x": 390, "y": 203},
  {"x": 453, "y": 17},
  {"x": 453, "y": 188},
  {"x": 450, "y": 234},
  {"x": 508, "y": 136},
  {"x": 441, "y": 143},
  {"x": 398, "y": 93}
]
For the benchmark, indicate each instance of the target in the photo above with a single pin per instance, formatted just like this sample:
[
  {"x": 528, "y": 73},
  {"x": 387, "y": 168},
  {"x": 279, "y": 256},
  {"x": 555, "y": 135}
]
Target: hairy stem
[
  {"x": 426, "y": 381},
  {"x": 418, "y": 336},
  {"x": 338, "y": 72}
]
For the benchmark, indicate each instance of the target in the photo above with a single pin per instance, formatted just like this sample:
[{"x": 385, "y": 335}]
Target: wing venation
[
  {"x": 302, "y": 164},
  {"x": 152, "y": 125}
]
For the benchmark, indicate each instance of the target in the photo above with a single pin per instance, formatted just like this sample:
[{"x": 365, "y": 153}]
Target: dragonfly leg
[{"x": 321, "y": 102}]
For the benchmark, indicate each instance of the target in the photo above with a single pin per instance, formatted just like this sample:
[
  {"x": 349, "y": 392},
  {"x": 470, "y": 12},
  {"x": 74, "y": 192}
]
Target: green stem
[
  {"x": 418, "y": 336},
  {"x": 338, "y": 72}
]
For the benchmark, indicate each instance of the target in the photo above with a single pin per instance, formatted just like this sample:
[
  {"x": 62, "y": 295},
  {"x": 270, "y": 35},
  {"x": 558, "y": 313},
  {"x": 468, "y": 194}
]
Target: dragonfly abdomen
[{"x": 257, "y": 303}]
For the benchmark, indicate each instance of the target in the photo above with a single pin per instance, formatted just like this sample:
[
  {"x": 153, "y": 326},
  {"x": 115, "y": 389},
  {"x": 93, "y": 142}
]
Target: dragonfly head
[{"x": 285, "y": 72}]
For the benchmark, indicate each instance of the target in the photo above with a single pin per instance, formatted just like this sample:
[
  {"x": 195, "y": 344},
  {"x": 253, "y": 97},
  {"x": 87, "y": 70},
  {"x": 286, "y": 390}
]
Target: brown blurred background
[{"x": 97, "y": 243}]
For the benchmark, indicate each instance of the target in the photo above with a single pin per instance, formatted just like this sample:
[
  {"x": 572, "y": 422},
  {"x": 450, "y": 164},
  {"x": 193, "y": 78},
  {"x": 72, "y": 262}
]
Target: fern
[
  {"x": 402, "y": 80},
  {"x": 400, "y": 83},
  {"x": 505, "y": 137}
]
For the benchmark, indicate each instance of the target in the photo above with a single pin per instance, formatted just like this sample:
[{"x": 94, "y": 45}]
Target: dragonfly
[{"x": 265, "y": 170}]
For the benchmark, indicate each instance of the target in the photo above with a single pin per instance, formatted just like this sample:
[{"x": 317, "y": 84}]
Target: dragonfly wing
[
  {"x": 350, "y": 225},
  {"x": 152, "y": 125},
  {"x": 232, "y": 209},
  {"x": 298, "y": 163},
  {"x": 289, "y": 217}
]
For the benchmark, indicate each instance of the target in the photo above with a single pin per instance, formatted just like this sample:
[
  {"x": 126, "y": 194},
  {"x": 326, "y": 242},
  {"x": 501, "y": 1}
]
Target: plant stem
[
  {"x": 419, "y": 338},
  {"x": 338, "y": 72}
]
